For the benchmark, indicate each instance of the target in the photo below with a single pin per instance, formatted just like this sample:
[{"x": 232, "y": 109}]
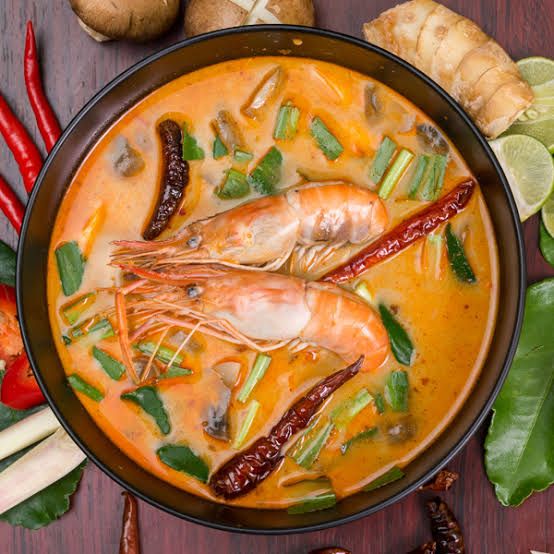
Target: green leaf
[
  {"x": 379, "y": 403},
  {"x": 267, "y": 173},
  {"x": 519, "y": 449},
  {"x": 182, "y": 458},
  {"x": 396, "y": 391},
  {"x": 315, "y": 504},
  {"x": 114, "y": 368},
  {"x": 71, "y": 266},
  {"x": 547, "y": 245},
  {"x": 457, "y": 257},
  {"x": 326, "y": 141},
  {"x": 191, "y": 150},
  {"x": 7, "y": 265},
  {"x": 400, "y": 342},
  {"x": 219, "y": 149},
  {"x": 148, "y": 399},
  {"x": 78, "y": 384},
  {"x": 394, "y": 474},
  {"x": 235, "y": 185}
]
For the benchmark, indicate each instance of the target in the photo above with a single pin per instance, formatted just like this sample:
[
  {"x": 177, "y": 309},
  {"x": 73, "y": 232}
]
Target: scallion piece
[
  {"x": 310, "y": 450},
  {"x": 326, "y": 141},
  {"x": 421, "y": 168},
  {"x": 242, "y": 156},
  {"x": 287, "y": 122},
  {"x": 267, "y": 174},
  {"x": 345, "y": 412},
  {"x": 71, "y": 266},
  {"x": 400, "y": 342},
  {"x": 396, "y": 390},
  {"x": 219, "y": 149},
  {"x": 315, "y": 504},
  {"x": 261, "y": 363},
  {"x": 364, "y": 435},
  {"x": 434, "y": 180},
  {"x": 394, "y": 174},
  {"x": 163, "y": 354},
  {"x": 394, "y": 474},
  {"x": 114, "y": 368},
  {"x": 251, "y": 412},
  {"x": 362, "y": 290},
  {"x": 90, "y": 326},
  {"x": 148, "y": 399},
  {"x": 72, "y": 311},
  {"x": 382, "y": 159},
  {"x": 191, "y": 150},
  {"x": 457, "y": 257},
  {"x": 182, "y": 458},
  {"x": 234, "y": 186},
  {"x": 78, "y": 384},
  {"x": 379, "y": 403},
  {"x": 175, "y": 371}
]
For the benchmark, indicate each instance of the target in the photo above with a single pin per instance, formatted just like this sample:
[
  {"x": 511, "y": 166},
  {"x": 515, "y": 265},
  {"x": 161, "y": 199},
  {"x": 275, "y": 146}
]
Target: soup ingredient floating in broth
[
  {"x": 130, "y": 537},
  {"x": 175, "y": 178},
  {"x": 457, "y": 54},
  {"x": 203, "y": 16},
  {"x": 267, "y": 230},
  {"x": 248, "y": 469},
  {"x": 264, "y": 92}
]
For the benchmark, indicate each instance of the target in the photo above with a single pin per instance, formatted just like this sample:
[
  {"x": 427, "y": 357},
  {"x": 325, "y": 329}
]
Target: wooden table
[{"x": 76, "y": 68}]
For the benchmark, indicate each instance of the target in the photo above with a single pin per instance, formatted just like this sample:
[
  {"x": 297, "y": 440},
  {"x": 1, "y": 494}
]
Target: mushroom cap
[
  {"x": 137, "y": 20},
  {"x": 203, "y": 16}
]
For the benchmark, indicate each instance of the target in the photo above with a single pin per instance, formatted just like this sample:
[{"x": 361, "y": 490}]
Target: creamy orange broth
[{"x": 449, "y": 323}]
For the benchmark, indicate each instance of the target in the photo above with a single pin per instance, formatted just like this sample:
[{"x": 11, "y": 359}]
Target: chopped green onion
[
  {"x": 457, "y": 257},
  {"x": 90, "y": 326},
  {"x": 287, "y": 122},
  {"x": 219, "y": 149},
  {"x": 72, "y": 311},
  {"x": 320, "y": 502},
  {"x": 394, "y": 474},
  {"x": 182, "y": 458},
  {"x": 400, "y": 342},
  {"x": 251, "y": 412},
  {"x": 345, "y": 412},
  {"x": 242, "y": 156},
  {"x": 394, "y": 174},
  {"x": 234, "y": 186},
  {"x": 80, "y": 385},
  {"x": 261, "y": 363},
  {"x": 175, "y": 371},
  {"x": 326, "y": 141},
  {"x": 436, "y": 241},
  {"x": 148, "y": 399},
  {"x": 396, "y": 391},
  {"x": 114, "y": 368},
  {"x": 382, "y": 159},
  {"x": 71, "y": 266},
  {"x": 164, "y": 354},
  {"x": 421, "y": 168},
  {"x": 191, "y": 150},
  {"x": 362, "y": 290},
  {"x": 379, "y": 403},
  {"x": 360, "y": 437},
  {"x": 310, "y": 450},
  {"x": 435, "y": 178},
  {"x": 267, "y": 174}
]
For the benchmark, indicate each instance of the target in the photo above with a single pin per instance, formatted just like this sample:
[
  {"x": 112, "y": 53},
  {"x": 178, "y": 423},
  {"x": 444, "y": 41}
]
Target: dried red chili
[
  {"x": 443, "y": 481},
  {"x": 175, "y": 177},
  {"x": 11, "y": 205},
  {"x": 130, "y": 543},
  {"x": 331, "y": 550},
  {"x": 23, "y": 148},
  {"x": 46, "y": 119},
  {"x": 405, "y": 234},
  {"x": 249, "y": 468},
  {"x": 427, "y": 548},
  {"x": 445, "y": 528}
]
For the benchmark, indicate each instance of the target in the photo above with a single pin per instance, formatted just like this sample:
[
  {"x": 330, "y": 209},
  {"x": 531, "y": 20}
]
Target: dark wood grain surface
[{"x": 75, "y": 68}]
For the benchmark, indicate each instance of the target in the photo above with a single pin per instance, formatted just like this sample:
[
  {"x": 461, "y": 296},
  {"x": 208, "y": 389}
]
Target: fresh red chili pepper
[
  {"x": 11, "y": 343},
  {"x": 20, "y": 389},
  {"x": 409, "y": 231},
  {"x": 130, "y": 543},
  {"x": 23, "y": 148},
  {"x": 11, "y": 205},
  {"x": 46, "y": 119}
]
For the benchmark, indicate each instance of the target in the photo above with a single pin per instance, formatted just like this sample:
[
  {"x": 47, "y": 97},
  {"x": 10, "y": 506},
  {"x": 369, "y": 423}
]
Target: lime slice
[
  {"x": 538, "y": 120},
  {"x": 530, "y": 171},
  {"x": 548, "y": 215}
]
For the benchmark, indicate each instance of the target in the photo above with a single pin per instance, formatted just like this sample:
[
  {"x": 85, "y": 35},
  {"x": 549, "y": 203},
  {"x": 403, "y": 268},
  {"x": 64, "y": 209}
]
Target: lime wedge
[
  {"x": 529, "y": 169},
  {"x": 548, "y": 215},
  {"x": 538, "y": 120}
]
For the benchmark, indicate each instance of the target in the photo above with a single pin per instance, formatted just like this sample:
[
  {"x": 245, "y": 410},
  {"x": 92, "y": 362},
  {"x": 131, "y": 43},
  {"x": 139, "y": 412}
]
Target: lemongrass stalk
[
  {"x": 26, "y": 432},
  {"x": 43, "y": 465}
]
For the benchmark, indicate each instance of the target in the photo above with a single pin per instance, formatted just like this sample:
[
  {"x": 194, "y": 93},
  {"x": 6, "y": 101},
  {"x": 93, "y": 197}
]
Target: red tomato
[
  {"x": 20, "y": 389},
  {"x": 10, "y": 337}
]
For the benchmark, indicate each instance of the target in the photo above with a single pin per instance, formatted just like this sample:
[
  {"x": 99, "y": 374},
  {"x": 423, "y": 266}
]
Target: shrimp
[
  {"x": 263, "y": 233},
  {"x": 261, "y": 310}
]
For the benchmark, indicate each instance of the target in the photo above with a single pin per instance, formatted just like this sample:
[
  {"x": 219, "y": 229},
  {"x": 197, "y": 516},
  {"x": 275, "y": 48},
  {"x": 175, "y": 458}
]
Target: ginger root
[{"x": 459, "y": 56}]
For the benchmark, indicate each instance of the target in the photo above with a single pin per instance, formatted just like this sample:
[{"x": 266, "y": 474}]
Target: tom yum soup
[{"x": 273, "y": 283}]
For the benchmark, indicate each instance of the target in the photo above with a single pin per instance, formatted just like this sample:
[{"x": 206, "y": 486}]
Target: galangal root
[{"x": 459, "y": 56}]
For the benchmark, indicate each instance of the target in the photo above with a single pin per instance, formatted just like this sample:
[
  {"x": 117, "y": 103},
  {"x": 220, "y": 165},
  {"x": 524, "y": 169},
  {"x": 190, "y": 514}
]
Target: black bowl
[{"x": 150, "y": 74}]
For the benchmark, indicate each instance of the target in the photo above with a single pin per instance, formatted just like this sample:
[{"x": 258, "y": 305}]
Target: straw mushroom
[
  {"x": 203, "y": 16},
  {"x": 136, "y": 20}
]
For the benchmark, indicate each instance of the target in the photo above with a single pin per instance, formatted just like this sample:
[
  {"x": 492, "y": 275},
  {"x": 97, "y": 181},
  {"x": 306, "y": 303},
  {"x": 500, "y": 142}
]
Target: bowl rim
[{"x": 520, "y": 246}]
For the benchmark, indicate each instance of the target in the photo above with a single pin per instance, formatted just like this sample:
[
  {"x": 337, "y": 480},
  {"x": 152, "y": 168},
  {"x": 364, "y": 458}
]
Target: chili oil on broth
[{"x": 443, "y": 317}]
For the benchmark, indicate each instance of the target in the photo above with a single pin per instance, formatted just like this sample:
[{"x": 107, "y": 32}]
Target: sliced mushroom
[{"x": 125, "y": 159}]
